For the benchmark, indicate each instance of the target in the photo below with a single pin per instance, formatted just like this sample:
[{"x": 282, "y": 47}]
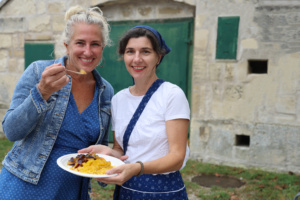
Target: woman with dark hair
[{"x": 150, "y": 123}]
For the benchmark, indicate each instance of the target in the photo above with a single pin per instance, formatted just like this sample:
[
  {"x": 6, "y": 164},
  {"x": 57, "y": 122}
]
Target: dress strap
[{"x": 139, "y": 111}]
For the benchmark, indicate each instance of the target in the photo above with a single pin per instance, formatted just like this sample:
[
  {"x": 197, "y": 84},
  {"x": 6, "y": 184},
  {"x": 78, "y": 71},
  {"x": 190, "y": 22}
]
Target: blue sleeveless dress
[{"x": 77, "y": 131}]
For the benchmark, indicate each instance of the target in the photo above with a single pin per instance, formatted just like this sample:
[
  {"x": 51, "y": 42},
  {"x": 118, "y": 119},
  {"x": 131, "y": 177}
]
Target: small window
[
  {"x": 38, "y": 51},
  {"x": 242, "y": 140},
  {"x": 257, "y": 66},
  {"x": 227, "y": 37}
]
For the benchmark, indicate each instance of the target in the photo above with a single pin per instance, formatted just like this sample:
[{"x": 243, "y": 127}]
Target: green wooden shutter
[
  {"x": 227, "y": 37},
  {"x": 38, "y": 51}
]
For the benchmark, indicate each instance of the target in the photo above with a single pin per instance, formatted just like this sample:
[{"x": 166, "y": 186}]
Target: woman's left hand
[
  {"x": 125, "y": 172},
  {"x": 97, "y": 149}
]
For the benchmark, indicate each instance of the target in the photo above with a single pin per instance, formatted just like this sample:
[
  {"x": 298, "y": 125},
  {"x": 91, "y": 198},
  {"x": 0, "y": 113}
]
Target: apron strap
[{"x": 139, "y": 111}]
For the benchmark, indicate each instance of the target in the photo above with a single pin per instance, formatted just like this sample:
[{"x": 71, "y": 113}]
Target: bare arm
[{"x": 177, "y": 132}]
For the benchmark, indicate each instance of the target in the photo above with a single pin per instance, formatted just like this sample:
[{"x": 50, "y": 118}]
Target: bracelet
[{"x": 142, "y": 168}]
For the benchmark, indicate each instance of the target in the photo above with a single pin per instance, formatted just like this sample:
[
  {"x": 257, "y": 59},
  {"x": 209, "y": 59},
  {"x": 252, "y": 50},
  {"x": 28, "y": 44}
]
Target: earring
[{"x": 99, "y": 64}]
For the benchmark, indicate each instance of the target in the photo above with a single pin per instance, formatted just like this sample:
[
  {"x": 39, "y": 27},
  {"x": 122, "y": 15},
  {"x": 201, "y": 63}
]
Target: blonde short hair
[{"x": 94, "y": 15}]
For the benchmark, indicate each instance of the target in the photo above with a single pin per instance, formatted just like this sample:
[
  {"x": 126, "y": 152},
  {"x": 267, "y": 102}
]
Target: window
[
  {"x": 227, "y": 37},
  {"x": 257, "y": 66},
  {"x": 242, "y": 140}
]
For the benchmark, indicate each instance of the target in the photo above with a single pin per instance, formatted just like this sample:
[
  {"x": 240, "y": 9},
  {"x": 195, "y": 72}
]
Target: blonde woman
[{"x": 55, "y": 111}]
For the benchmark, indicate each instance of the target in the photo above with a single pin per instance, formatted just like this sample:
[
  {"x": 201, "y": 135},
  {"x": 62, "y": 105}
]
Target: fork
[{"x": 82, "y": 72}]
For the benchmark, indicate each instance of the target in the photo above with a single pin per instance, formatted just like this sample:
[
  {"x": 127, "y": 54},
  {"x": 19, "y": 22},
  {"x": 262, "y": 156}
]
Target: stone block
[
  {"x": 249, "y": 43},
  {"x": 286, "y": 104},
  {"x": 58, "y": 23},
  {"x": 11, "y": 25},
  {"x": 144, "y": 11},
  {"x": 12, "y": 64},
  {"x": 16, "y": 65},
  {"x": 127, "y": 11},
  {"x": 7, "y": 86},
  {"x": 18, "y": 53},
  {"x": 241, "y": 153},
  {"x": 39, "y": 24},
  {"x": 201, "y": 39},
  {"x": 229, "y": 73},
  {"x": 45, "y": 36},
  {"x": 234, "y": 92},
  {"x": 19, "y": 7},
  {"x": 20, "y": 66},
  {"x": 170, "y": 10},
  {"x": 56, "y": 7},
  {"x": 194, "y": 134},
  {"x": 215, "y": 71},
  {"x": 41, "y": 7},
  {"x": 18, "y": 41},
  {"x": 204, "y": 133},
  {"x": 220, "y": 143},
  {"x": 3, "y": 60},
  {"x": 5, "y": 41}
]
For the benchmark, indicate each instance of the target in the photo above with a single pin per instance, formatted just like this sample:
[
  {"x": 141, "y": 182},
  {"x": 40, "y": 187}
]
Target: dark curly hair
[{"x": 136, "y": 33}]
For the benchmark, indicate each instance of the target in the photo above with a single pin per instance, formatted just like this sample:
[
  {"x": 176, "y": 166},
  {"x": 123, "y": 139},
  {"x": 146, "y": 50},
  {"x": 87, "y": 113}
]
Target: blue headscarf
[{"x": 161, "y": 41}]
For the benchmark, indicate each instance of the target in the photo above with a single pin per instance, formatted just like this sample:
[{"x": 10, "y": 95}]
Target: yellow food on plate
[{"x": 90, "y": 164}]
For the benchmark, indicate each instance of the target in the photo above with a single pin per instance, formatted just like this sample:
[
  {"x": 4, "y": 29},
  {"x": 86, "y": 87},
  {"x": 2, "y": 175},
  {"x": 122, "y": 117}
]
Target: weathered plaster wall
[
  {"x": 42, "y": 21},
  {"x": 227, "y": 101}
]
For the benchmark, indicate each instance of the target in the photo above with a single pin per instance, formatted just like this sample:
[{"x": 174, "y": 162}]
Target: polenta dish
[{"x": 89, "y": 164}]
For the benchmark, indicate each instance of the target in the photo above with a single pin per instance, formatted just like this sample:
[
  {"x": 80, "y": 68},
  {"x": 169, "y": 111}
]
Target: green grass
[
  {"x": 5, "y": 146},
  {"x": 258, "y": 184}
]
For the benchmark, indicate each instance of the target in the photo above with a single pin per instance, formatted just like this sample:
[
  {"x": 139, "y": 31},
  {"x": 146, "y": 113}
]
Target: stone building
[{"x": 240, "y": 67}]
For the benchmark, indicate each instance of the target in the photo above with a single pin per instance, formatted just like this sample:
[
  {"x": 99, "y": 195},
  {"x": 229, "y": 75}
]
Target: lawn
[{"x": 258, "y": 184}]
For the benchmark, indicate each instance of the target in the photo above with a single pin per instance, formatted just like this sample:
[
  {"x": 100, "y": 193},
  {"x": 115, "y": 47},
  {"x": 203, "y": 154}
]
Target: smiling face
[
  {"x": 85, "y": 48},
  {"x": 140, "y": 59}
]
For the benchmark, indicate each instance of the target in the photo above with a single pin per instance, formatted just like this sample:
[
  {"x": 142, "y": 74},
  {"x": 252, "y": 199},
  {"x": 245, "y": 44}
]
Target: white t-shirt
[{"x": 148, "y": 140}]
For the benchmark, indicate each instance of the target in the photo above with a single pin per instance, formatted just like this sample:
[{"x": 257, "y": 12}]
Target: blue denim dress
[{"x": 77, "y": 131}]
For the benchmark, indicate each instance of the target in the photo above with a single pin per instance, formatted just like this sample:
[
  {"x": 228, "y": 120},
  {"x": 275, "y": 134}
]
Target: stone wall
[
  {"x": 228, "y": 102},
  {"x": 42, "y": 21}
]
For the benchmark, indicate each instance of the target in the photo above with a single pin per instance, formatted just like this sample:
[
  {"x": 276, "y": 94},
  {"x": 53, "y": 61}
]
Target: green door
[
  {"x": 176, "y": 66},
  {"x": 38, "y": 51}
]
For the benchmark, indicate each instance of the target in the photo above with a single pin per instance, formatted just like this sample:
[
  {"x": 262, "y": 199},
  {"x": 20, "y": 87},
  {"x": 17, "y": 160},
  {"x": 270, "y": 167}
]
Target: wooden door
[{"x": 176, "y": 66}]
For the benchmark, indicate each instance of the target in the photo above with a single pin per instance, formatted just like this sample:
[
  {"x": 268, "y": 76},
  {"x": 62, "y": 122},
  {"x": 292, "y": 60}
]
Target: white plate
[{"x": 63, "y": 160}]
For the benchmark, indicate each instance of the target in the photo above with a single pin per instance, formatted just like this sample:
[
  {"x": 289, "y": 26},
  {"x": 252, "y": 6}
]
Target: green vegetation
[
  {"x": 5, "y": 146},
  {"x": 258, "y": 184}
]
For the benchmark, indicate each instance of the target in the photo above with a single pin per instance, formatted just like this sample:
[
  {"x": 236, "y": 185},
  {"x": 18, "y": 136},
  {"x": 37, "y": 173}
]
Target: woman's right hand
[
  {"x": 102, "y": 149},
  {"x": 53, "y": 79}
]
